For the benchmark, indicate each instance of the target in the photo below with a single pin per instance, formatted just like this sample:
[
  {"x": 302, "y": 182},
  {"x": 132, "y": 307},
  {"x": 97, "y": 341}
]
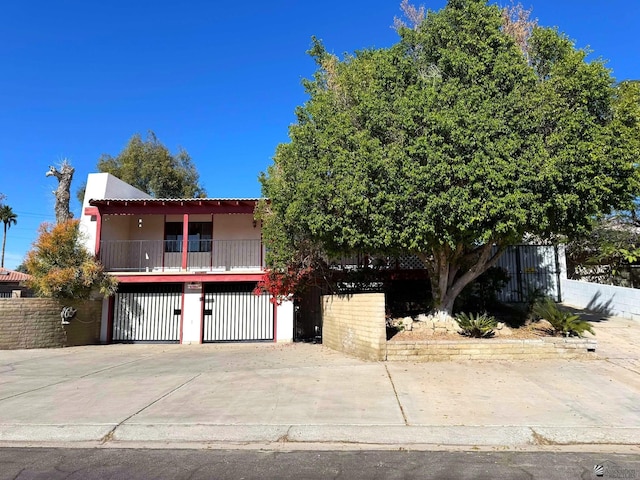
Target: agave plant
[
  {"x": 478, "y": 326},
  {"x": 563, "y": 321}
]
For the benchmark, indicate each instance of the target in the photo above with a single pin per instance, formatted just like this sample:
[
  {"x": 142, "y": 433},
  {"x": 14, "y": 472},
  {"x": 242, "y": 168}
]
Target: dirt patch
[{"x": 525, "y": 332}]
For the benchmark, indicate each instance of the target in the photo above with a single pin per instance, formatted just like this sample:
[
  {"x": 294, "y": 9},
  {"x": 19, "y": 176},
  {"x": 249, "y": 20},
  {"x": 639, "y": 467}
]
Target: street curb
[
  {"x": 509, "y": 436},
  {"x": 54, "y": 433}
]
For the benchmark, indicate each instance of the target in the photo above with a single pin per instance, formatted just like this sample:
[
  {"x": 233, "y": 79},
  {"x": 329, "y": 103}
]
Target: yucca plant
[
  {"x": 563, "y": 321},
  {"x": 478, "y": 326}
]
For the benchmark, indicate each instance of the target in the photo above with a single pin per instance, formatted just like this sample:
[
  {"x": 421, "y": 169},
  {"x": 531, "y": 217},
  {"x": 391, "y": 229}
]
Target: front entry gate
[
  {"x": 232, "y": 312},
  {"x": 533, "y": 270},
  {"x": 147, "y": 313}
]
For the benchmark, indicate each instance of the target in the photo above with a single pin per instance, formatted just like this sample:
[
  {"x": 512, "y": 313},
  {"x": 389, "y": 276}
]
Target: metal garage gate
[
  {"x": 531, "y": 268},
  {"x": 147, "y": 313},
  {"x": 232, "y": 312}
]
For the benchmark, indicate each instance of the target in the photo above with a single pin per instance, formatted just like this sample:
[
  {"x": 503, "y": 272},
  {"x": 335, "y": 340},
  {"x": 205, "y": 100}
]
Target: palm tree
[{"x": 8, "y": 217}]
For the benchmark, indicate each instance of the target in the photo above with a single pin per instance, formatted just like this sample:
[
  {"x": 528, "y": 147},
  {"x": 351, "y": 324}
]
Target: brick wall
[
  {"x": 491, "y": 349},
  {"x": 355, "y": 324},
  {"x": 36, "y": 323}
]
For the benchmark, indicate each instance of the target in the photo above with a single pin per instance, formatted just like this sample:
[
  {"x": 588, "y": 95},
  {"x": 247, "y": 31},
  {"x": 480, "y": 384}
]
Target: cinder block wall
[
  {"x": 355, "y": 324},
  {"x": 608, "y": 299},
  {"x": 36, "y": 323}
]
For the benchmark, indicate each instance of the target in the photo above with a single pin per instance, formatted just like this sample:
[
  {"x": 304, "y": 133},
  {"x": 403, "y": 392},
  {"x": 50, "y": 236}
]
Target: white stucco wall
[
  {"x": 606, "y": 299},
  {"x": 235, "y": 227},
  {"x": 284, "y": 327},
  {"x": 100, "y": 186},
  {"x": 192, "y": 314},
  {"x": 105, "y": 185}
]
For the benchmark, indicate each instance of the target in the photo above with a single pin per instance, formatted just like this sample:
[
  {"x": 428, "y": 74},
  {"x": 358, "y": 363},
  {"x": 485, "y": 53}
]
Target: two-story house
[{"x": 187, "y": 267}]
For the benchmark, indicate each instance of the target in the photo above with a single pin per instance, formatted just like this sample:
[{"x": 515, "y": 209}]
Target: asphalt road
[{"x": 130, "y": 464}]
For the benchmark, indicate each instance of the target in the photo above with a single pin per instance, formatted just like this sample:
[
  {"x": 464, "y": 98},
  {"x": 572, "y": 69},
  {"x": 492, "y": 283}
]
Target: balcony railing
[{"x": 166, "y": 255}]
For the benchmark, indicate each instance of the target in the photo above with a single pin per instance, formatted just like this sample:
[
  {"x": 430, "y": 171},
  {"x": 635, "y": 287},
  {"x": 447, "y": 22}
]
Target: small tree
[
  {"x": 62, "y": 268},
  {"x": 8, "y": 218}
]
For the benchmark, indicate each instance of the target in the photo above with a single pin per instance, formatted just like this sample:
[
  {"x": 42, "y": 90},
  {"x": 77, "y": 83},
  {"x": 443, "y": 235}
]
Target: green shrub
[
  {"x": 478, "y": 326},
  {"x": 563, "y": 321},
  {"x": 482, "y": 293}
]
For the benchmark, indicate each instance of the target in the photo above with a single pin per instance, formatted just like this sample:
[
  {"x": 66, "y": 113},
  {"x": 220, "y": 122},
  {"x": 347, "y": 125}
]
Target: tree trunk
[
  {"x": 4, "y": 241},
  {"x": 449, "y": 276},
  {"x": 63, "y": 192}
]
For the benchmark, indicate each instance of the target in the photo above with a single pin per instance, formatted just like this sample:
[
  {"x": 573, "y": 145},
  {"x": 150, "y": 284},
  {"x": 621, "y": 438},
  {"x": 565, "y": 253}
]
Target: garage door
[
  {"x": 147, "y": 313},
  {"x": 233, "y": 313}
]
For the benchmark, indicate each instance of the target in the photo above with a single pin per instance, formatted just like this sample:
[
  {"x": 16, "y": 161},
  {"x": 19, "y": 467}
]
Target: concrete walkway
[{"x": 303, "y": 395}]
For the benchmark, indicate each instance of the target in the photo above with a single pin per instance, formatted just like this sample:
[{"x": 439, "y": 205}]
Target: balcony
[{"x": 157, "y": 256}]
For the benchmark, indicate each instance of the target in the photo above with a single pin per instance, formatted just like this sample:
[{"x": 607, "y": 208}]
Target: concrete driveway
[{"x": 296, "y": 395}]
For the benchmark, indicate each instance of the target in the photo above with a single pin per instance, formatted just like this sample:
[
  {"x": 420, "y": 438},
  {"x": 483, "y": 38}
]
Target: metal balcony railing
[{"x": 166, "y": 255}]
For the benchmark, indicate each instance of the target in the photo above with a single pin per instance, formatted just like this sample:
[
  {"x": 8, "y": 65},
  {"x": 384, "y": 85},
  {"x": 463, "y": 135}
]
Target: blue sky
[{"x": 79, "y": 78}]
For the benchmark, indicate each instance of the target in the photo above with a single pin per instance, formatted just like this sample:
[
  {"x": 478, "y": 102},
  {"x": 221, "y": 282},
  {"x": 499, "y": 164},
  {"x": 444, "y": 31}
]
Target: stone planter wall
[{"x": 490, "y": 349}]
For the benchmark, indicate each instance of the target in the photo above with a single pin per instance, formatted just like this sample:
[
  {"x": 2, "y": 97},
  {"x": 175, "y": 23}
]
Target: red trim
[
  {"x": 98, "y": 233},
  {"x": 91, "y": 211},
  {"x": 176, "y": 206},
  {"x": 275, "y": 323},
  {"x": 164, "y": 239},
  {"x": 110, "y": 313},
  {"x": 190, "y": 277},
  {"x": 202, "y": 315},
  {"x": 182, "y": 314},
  {"x": 185, "y": 240}
]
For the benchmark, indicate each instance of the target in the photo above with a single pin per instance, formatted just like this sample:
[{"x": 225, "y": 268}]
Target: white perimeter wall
[
  {"x": 284, "y": 319},
  {"x": 608, "y": 299},
  {"x": 192, "y": 314}
]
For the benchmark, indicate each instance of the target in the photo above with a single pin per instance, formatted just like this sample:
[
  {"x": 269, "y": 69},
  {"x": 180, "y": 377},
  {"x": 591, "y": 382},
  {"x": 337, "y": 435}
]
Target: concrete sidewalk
[{"x": 292, "y": 396}]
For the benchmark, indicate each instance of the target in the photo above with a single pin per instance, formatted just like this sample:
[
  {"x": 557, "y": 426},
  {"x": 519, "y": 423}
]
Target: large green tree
[
  {"x": 149, "y": 166},
  {"x": 8, "y": 217},
  {"x": 449, "y": 145}
]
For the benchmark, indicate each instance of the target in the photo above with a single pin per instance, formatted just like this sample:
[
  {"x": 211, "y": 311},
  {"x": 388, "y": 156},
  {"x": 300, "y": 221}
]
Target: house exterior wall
[
  {"x": 133, "y": 248},
  {"x": 355, "y": 324},
  {"x": 151, "y": 227},
  {"x": 225, "y": 226},
  {"x": 235, "y": 227},
  {"x": 103, "y": 185},
  {"x": 115, "y": 227}
]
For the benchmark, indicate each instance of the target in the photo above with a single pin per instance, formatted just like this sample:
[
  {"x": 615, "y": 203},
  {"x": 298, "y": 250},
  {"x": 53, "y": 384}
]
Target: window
[{"x": 199, "y": 240}]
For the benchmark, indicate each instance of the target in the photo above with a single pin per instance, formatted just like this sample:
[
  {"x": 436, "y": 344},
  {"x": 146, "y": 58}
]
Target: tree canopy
[
  {"x": 449, "y": 145},
  {"x": 149, "y": 166},
  {"x": 62, "y": 267}
]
